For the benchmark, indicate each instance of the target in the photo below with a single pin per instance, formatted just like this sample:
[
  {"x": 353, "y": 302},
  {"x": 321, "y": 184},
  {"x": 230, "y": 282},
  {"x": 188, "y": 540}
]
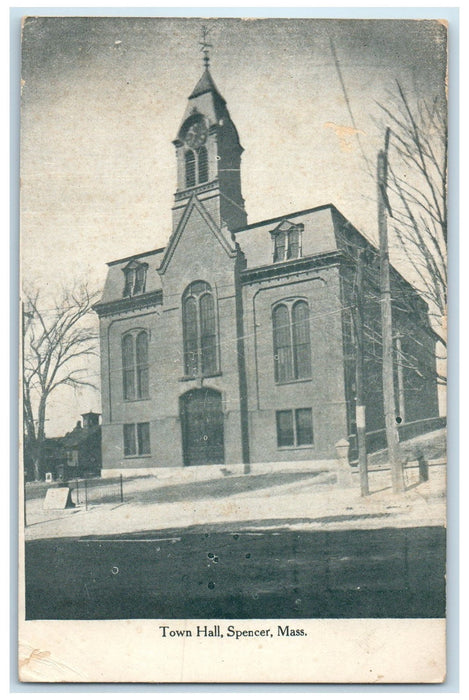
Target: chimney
[{"x": 90, "y": 419}]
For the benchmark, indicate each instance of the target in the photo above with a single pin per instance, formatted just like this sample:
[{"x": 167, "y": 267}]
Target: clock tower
[{"x": 208, "y": 155}]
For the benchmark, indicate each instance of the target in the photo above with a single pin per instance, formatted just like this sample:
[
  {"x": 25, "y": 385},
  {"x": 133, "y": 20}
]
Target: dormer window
[
  {"x": 287, "y": 241},
  {"x": 135, "y": 278}
]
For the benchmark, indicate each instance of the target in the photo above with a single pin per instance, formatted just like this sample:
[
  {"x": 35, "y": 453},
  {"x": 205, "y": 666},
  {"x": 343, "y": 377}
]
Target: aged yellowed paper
[{"x": 233, "y": 308}]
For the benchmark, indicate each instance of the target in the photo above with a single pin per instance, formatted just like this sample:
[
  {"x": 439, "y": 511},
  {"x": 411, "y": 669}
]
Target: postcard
[{"x": 233, "y": 316}]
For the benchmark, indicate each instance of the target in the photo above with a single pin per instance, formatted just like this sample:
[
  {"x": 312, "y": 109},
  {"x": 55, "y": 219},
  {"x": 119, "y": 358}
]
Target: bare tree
[
  {"x": 57, "y": 341},
  {"x": 418, "y": 196}
]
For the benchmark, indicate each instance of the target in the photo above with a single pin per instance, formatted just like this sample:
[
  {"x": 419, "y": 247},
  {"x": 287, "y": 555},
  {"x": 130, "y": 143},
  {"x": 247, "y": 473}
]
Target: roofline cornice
[
  {"x": 119, "y": 306},
  {"x": 257, "y": 274}
]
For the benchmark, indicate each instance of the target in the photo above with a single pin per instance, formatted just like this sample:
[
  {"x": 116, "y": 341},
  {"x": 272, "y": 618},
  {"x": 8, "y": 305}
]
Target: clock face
[{"x": 196, "y": 135}]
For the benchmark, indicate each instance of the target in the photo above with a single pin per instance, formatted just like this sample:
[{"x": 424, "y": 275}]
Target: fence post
[
  {"x": 121, "y": 490},
  {"x": 86, "y": 494},
  {"x": 78, "y": 492}
]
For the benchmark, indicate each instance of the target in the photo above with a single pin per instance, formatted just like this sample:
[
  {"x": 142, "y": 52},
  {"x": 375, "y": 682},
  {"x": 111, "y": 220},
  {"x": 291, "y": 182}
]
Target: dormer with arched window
[
  {"x": 287, "y": 241},
  {"x": 135, "y": 276}
]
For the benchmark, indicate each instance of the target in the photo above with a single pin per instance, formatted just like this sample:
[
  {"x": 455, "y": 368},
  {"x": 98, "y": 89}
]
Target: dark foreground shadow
[{"x": 379, "y": 573}]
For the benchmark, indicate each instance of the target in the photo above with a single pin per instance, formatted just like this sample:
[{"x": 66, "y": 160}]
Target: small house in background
[{"x": 81, "y": 448}]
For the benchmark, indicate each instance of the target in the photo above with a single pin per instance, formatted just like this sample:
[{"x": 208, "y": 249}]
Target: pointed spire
[{"x": 205, "y": 84}]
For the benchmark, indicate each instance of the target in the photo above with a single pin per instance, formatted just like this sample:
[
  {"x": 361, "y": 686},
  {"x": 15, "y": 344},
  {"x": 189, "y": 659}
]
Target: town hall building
[{"x": 233, "y": 348}]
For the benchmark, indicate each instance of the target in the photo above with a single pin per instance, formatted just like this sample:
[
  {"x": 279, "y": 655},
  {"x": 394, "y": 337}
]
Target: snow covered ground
[{"x": 306, "y": 501}]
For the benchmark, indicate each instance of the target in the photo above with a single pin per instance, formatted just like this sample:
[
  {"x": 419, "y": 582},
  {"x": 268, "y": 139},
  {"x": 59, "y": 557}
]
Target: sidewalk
[{"x": 314, "y": 502}]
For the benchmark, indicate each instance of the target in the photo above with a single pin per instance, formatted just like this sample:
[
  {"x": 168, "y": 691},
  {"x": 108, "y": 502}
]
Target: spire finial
[{"x": 205, "y": 45}]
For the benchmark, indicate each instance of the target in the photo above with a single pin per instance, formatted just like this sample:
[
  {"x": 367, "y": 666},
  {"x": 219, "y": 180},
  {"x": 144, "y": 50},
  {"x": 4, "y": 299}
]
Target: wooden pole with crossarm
[{"x": 392, "y": 435}]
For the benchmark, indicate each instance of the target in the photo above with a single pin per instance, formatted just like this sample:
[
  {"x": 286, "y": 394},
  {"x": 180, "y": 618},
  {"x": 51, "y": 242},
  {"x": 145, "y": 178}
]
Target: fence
[
  {"x": 376, "y": 440},
  {"x": 94, "y": 491}
]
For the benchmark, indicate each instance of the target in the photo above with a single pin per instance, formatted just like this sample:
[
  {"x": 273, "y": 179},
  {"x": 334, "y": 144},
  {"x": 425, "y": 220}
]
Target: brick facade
[{"x": 245, "y": 273}]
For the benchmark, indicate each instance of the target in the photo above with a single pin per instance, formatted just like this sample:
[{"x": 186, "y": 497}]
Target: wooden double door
[{"x": 202, "y": 427}]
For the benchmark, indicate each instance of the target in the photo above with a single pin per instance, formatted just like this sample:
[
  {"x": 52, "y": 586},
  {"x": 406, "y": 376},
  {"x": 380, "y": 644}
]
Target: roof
[
  {"x": 135, "y": 256},
  {"x": 204, "y": 85},
  {"x": 290, "y": 215},
  {"x": 79, "y": 435},
  {"x": 114, "y": 285}
]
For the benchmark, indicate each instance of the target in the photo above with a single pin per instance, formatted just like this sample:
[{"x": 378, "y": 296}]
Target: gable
[{"x": 195, "y": 236}]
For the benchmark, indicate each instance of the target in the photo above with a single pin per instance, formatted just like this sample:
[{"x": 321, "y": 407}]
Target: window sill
[
  {"x": 294, "y": 381},
  {"x": 198, "y": 377},
  {"x": 147, "y": 398},
  {"x": 137, "y": 456},
  {"x": 295, "y": 447},
  {"x": 286, "y": 260},
  {"x": 133, "y": 295}
]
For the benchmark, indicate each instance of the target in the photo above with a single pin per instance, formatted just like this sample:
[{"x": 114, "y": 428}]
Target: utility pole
[
  {"x": 392, "y": 436},
  {"x": 400, "y": 379},
  {"x": 359, "y": 383}
]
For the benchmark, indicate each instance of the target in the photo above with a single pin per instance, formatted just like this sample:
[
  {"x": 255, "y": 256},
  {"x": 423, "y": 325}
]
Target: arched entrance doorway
[{"x": 202, "y": 427}]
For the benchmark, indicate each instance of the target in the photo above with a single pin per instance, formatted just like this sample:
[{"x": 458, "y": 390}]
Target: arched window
[
  {"x": 199, "y": 330},
  {"x": 279, "y": 247},
  {"x": 202, "y": 159},
  {"x": 135, "y": 274},
  {"x": 135, "y": 368},
  {"x": 286, "y": 238},
  {"x": 301, "y": 340},
  {"x": 140, "y": 274},
  {"x": 293, "y": 243},
  {"x": 190, "y": 168},
  {"x": 292, "y": 343},
  {"x": 282, "y": 344},
  {"x": 191, "y": 343},
  {"x": 141, "y": 344},
  {"x": 128, "y": 363}
]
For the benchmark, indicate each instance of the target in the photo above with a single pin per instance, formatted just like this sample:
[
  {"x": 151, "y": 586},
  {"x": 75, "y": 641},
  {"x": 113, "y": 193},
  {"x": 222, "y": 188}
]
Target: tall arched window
[
  {"x": 191, "y": 343},
  {"x": 282, "y": 344},
  {"x": 128, "y": 362},
  {"x": 190, "y": 168},
  {"x": 301, "y": 340},
  {"x": 202, "y": 159},
  {"x": 135, "y": 367},
  {"x": 292, "y": 343},
  {"x": 141, "y": 344},
  {"x": 199, "y": 329}
]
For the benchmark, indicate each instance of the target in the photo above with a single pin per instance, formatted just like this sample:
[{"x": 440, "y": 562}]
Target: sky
[{"x": 103, "y": 98}]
